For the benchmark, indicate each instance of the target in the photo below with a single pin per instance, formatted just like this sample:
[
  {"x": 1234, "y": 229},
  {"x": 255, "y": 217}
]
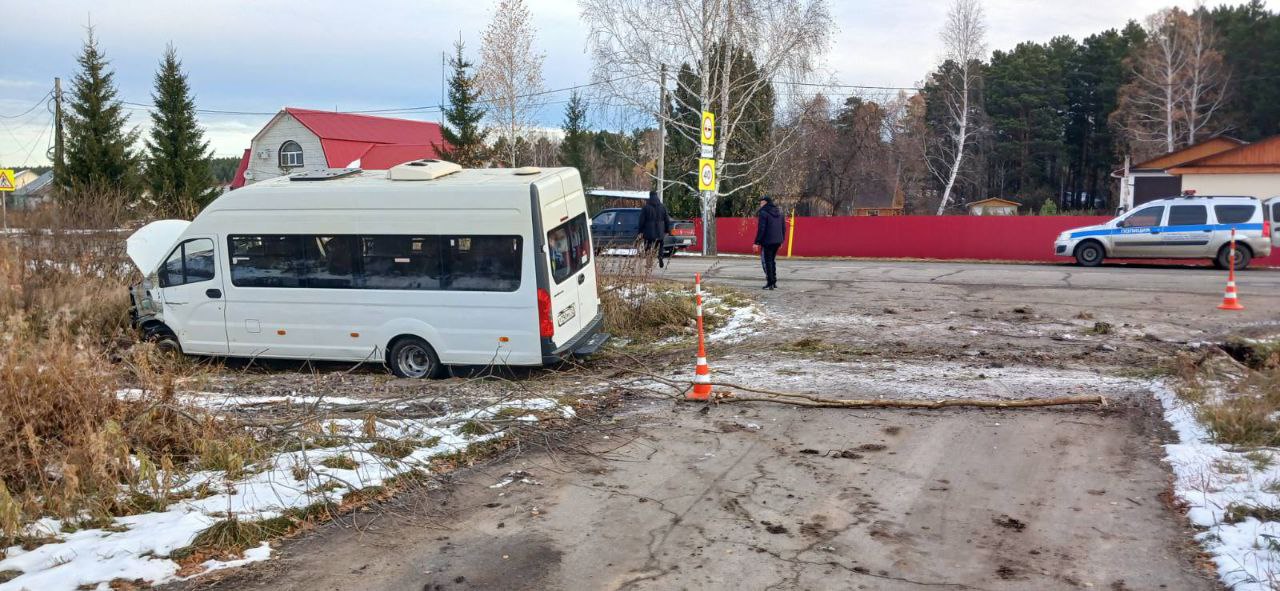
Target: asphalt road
[
  {"x": 754, "y": 496},
  {"x": 1181, "y": 294}
]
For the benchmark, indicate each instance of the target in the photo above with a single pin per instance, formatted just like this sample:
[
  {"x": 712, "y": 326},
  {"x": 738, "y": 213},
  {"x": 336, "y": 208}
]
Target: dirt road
[{"x": 770, "y": 497}]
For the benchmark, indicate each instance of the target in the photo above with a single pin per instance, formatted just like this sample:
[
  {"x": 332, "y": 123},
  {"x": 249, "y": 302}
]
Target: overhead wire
[{"x": 39, "y": 102}]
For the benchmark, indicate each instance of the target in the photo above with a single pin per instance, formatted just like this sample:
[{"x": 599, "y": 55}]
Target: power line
[
  {"x": 400, "y": 110},
  {"x": 46, "y": 128},
  {"x": 39, "y": 102},
  {"x": 858, "y": 86}
]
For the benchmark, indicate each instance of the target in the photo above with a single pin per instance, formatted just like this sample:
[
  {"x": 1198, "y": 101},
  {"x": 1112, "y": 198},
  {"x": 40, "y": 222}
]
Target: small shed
[{"x": 994, "y": 206}]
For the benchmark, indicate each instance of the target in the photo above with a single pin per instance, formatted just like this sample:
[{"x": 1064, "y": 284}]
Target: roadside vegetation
[
  {"x": 1237, "y": 393},
  {"x": 1227, "y": 416},
  {"x": 73, "y": 445},
  {"x": 643, "y": 309}
]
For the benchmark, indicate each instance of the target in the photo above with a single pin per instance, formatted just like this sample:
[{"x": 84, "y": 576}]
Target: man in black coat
[
  {"x": 654, "y": 224},
  {"x": 771, "y": 232}
]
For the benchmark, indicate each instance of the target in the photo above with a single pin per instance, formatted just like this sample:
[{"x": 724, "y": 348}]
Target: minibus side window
[
  {"x": 265, "y": 261},
  {"x": 569, "y": 248},
  {"x": 482, "y": 263},
  {"x": 326, "y": 262},
  {"x": 401, "y": 262}
]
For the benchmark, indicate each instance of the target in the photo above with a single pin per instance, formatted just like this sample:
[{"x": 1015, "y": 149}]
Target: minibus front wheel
[{"x": 412, "y": 357}]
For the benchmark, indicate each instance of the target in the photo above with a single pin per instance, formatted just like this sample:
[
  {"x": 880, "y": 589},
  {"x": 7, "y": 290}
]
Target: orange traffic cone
[
  {"x": 702, "y": 374},
  {"x": 1231, "y": 299}
]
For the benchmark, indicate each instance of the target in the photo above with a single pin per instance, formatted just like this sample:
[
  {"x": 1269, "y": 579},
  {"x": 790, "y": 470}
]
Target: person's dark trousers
[
  {"x": 652, "y": 245},
  {"x": 769, "y": 260}
]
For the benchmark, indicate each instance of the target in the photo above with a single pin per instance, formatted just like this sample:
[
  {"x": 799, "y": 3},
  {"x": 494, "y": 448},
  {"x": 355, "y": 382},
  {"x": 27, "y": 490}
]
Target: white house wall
[
  {"x": 284, "y": 128},
  {"x": 1251, "y": 185}
]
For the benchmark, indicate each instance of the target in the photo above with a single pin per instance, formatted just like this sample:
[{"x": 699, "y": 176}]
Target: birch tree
[
  {"x": 1149, "y": 104},
  {"x": 1178, "y": 83},
  {"x": 964, "y": 44},
  {"x": 510, "y": 75},
  {"x": 1206, "y": 76},
  {"x": 631, "y": 41}
]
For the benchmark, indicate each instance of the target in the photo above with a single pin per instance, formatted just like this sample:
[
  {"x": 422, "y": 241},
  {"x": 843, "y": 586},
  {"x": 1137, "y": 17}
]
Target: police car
[{"x": 1187, "y": 227}]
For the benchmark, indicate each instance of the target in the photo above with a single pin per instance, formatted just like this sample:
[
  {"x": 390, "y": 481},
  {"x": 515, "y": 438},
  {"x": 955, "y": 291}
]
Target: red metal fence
[{"x": 986, "y": 238}]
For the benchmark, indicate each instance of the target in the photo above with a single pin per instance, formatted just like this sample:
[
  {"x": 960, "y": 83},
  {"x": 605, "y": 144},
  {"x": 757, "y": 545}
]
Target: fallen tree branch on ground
[{"x": 810, "y": 400}]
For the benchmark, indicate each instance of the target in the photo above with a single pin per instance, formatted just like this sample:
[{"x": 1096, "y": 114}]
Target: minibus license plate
[{"x": 565, "y": 315}]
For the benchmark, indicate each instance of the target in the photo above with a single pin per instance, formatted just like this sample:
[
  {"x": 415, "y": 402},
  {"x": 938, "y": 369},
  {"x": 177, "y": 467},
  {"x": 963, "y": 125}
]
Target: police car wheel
[
  {"x": 1243, "y": 257},
  {"x": 1089, "y": 254}
]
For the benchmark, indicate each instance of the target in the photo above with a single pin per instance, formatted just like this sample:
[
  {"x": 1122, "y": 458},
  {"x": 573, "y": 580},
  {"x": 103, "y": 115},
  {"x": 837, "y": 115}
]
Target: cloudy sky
[{"x": 254, "y": 57}]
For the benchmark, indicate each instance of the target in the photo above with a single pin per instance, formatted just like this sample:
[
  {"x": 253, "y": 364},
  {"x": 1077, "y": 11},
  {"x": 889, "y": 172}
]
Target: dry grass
[
  {"x": 643, "y": 309},
  {"x": 1248, "y": 415},
  {"x": 233, "y": 536},
  {"x": 74, "y": 449}
]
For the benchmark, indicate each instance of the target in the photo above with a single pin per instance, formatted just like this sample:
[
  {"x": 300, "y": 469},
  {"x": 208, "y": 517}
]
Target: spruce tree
[
  {"x": 577, "y": 139},
  {"x": 178, "y": 160},
  {"x": 99, "y": 150},
  {"x": 463, "y": 136}
]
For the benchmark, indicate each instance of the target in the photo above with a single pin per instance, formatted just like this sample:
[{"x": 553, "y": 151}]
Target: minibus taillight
[
  {"x": 545, "y": 328},
  {"x": 1266, "y": 228}
]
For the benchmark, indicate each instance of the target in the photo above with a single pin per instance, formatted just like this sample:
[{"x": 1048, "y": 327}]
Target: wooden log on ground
[{"x": 813, "y": 401}]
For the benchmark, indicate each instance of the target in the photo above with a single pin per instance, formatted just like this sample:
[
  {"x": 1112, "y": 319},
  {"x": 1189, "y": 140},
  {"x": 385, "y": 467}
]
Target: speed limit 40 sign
[{"x": 706, "y": 174}]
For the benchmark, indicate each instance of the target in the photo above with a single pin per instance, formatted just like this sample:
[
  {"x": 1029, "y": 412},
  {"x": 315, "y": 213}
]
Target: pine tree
[
  {"x": 577, "y": 139},
  {"x": 178, "y": 167},
  {"x": 99, "y": 150},
  {"x": 463, "y": 136}
]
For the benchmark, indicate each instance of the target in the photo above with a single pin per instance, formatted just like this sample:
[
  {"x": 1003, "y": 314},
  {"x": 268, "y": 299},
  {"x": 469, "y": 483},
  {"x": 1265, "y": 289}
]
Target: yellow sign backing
[
  {"x": 6, "y": 180},
  {"x": 706, "y": 174}
]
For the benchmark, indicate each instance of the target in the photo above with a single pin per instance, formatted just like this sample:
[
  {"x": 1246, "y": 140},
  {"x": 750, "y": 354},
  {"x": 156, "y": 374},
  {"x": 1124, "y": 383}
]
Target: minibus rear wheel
[{"x": 412, "y": 357}]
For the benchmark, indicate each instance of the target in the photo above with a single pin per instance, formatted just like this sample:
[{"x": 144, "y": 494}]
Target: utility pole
[
  {"x": 662, "y": 133},
  {"x": 58, "y": 164},
  {"x": 443, "y": 60}
]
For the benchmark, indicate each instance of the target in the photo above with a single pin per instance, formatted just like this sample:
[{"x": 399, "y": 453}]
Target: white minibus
[{"x": 422, "y": 266}]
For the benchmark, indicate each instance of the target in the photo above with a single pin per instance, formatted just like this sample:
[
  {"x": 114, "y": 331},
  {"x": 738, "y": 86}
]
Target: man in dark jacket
[
  {"x": 771, "y": 232},
  {"x": 654, "y": 224}
]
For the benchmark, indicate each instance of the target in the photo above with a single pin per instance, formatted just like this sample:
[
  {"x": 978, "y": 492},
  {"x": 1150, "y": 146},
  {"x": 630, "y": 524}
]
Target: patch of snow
[
  {"x": 221, "y": 400},
  {"x": 936, "y": 380},
  {"x": 138, "y": 546},
  {"x": 1210, "y": 478},
  {"x": 743, "y": 322}
]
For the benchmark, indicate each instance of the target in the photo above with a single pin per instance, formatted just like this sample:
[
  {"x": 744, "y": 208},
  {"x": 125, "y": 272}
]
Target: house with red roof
[{"x": 304, "y": 139}]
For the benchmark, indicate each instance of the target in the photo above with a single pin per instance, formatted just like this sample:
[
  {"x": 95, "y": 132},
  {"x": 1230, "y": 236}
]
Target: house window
[{"x": 290, "y": 155}]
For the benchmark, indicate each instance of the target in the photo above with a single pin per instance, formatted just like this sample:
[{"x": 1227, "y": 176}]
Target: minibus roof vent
[
  {"x": 323, "y": 174},
  {"x": 525, "y": 170},
  {"x": 422, "y": 170}
]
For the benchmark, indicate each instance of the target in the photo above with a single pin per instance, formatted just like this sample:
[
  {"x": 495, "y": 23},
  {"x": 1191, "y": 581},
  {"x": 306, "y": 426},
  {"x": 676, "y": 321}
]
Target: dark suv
[{"x": 618, "y": 227}]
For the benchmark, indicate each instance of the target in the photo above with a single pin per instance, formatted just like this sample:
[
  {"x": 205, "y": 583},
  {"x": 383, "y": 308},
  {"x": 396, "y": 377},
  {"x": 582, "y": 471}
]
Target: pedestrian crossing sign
[{"x": 6, "y": 180}]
